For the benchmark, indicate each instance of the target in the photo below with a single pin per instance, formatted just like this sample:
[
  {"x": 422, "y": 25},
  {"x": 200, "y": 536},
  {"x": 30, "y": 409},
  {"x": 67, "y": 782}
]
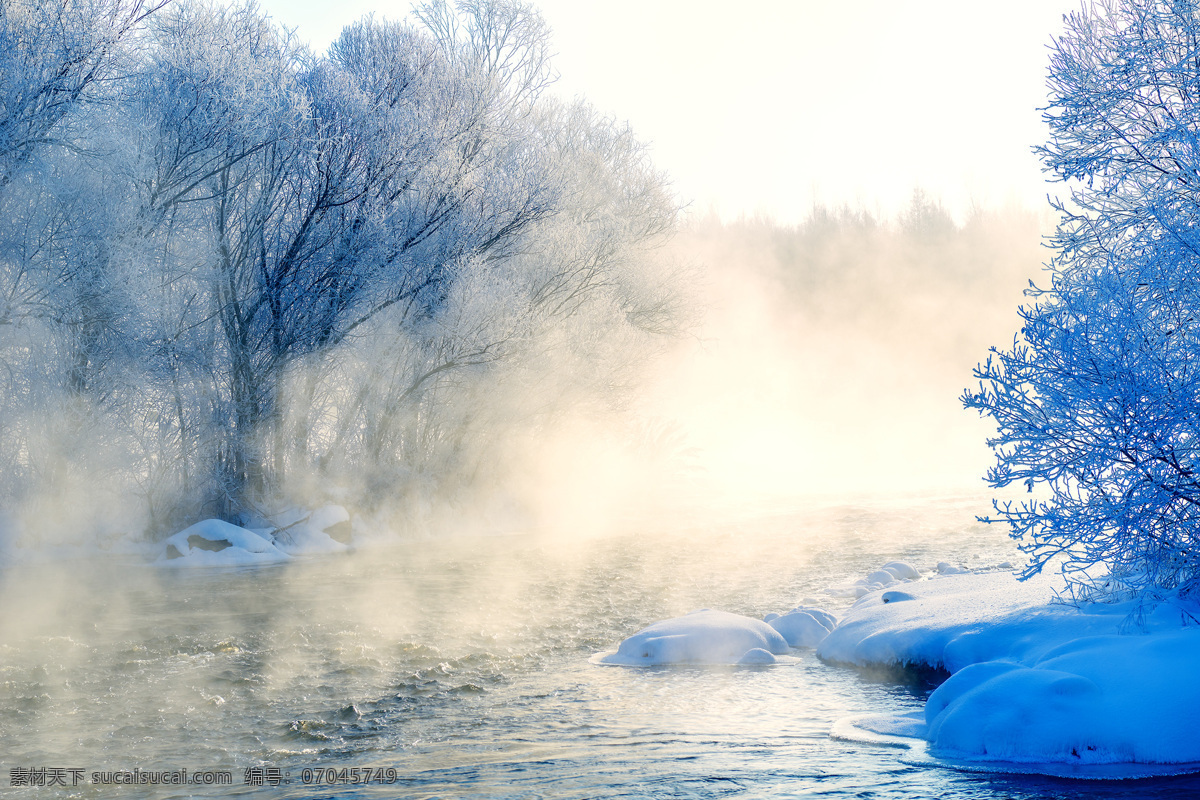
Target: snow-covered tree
[
  {"x": 1098, "y": 400},
  {"x": 63, "y": 351},
  {"x": 52, "y": 55},
  {"x": 240, "y": 266}
]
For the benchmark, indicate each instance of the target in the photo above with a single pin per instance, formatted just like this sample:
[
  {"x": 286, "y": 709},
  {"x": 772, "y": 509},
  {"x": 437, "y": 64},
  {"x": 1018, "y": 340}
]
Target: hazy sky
[{"x": 789, "y": 101}]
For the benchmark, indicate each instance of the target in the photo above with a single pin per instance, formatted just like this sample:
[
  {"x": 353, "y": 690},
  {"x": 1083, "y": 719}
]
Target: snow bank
[
  {"x": 292, "y": 532},
  {"x": 217, "y": 543},
  {"x": 962, "y": 619},
  {"x": 1096, "y": 700},
  {"x": 1033, "y": 683},
  {"x": 701, "y": 637}
]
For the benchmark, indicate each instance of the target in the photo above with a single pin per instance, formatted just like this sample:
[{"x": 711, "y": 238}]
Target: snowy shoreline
[
  {"x": 1027, "y": 684},
  {"x": 1035, "y": 685}
]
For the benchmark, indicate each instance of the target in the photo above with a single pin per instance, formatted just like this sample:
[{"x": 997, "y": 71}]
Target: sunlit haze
[
  {"x": 559, "y": 399},
  {"x": 770, "y": 107},
  {"x": 765, "y": 113}
]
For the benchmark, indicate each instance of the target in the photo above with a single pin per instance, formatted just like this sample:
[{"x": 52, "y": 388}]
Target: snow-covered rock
[
  {"x": 902, "y": 570},
  {"x": 214, "y": 542},
  {"x": 757, "y": 657},
  {"x": 881, "y": 578},
  {"x": 803, "y": 626},
  {"x": 888, "y": 575},
  {"x": 701, "y": 637}
]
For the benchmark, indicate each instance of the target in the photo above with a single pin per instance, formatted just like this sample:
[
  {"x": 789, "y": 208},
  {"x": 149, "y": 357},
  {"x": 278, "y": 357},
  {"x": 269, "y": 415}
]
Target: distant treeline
[
  {"x": 922, "y": 283},
  {"x": 850, "y": 338}
]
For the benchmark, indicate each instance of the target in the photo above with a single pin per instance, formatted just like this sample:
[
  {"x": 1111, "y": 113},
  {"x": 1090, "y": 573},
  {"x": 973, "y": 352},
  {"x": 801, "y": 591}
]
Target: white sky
[{"x": 786, "y": 102}]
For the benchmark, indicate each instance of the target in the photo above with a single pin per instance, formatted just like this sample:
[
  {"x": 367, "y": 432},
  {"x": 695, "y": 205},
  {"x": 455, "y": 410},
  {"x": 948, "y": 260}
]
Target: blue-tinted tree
[
  {"x": 1098, "y": 400},
  {"x": 52, "y": 56}
]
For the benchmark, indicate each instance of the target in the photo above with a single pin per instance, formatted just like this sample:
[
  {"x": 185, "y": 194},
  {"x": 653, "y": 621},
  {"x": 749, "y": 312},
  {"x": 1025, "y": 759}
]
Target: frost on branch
[
  {"x": 235, "y": 273},
  {"x": 1096, "y": 401}
]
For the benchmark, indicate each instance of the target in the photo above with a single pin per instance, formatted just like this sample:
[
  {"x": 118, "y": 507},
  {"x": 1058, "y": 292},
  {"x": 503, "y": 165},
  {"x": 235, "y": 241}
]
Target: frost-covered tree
[
  {"x": 62, "y": 347},
  {"x": 243, "y": 268},
  {"x": 52, "y": 55},
  {"x": 1098, "y": 400},
  {"x": 336, "y": 190}
]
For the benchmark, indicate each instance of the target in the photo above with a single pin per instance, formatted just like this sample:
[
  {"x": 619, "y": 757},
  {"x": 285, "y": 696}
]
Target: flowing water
[{"x": 459, "y": 668}]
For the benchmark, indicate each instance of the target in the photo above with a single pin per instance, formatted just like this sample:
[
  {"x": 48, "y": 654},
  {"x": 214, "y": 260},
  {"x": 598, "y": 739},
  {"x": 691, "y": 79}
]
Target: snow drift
[{"x": 1033, "y": 682}]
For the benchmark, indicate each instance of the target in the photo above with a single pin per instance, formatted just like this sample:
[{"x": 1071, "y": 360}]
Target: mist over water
[
  {"x": 402, "y": 282},
  {"x": 462, "y": 664},
  {"x": 808, "y": 433}
]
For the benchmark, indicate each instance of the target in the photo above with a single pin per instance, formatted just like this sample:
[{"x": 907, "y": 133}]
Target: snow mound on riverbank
[
  {"x": 214, "y": 542},
  {"x": 701, "y": 637},
  {"x": 1034, "y": 682},
  {"x": 803, "y": 626},
  {"x": 1096, "y": 700}
]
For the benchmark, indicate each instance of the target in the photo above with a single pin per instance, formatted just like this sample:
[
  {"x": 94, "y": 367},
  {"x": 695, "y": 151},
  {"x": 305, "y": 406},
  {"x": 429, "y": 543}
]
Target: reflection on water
[{"x": 463, "y": 666}]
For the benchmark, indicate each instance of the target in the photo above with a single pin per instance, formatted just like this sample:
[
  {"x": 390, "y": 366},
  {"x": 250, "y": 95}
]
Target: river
[{"x": 459, "y": 668}]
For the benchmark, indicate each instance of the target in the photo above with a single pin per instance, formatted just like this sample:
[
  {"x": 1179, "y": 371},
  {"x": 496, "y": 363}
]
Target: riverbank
[{"x": 1031, "y": 680}]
